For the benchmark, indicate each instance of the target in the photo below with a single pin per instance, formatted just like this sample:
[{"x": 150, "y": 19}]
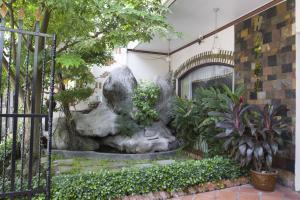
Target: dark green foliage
[
  {"x": 252, "y": 135},
  {"x": 144, "y": 99},
  {"x": 188, "y": 120},
  {"x": 126, "y": 125},
  {"x": 113, "y": 184},
  {"x": 192, "y": 122},
  {"x": 74, "y": 95},
  {"x": 5, "y": 149}
]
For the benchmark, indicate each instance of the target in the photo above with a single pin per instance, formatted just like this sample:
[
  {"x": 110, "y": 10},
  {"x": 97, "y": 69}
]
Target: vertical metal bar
[
  {"x": 42, "y": 104},
  {"x": 7, "y": 107},
  {"x": 34, "y": 82},
  {"x": 1, "y": 100},
  {"x": 53, "y": 55},
  {"x": 24, "y": 110},
  {"x": 1, "y": 57},
  {"x": 16, "y": 108}
]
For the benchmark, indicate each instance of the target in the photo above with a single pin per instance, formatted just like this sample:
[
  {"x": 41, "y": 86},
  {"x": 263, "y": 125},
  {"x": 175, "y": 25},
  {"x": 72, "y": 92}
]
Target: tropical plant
[
  {"x": 271, "y": 123},
  {"x": 192, "y": 122},
  {"x": 215, "y": 98},
  {"x": 188, "y": 121},
  {"x": 252, "y": 135},
  {"x": 144, "y": 99}
]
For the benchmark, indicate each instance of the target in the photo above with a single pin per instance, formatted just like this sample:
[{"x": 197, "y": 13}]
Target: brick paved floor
[{"x": 245, "y": 192}]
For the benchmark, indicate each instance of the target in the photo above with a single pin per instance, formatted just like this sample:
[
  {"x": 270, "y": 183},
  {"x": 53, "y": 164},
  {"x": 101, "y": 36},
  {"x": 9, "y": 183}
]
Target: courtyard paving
[{"x": 245, "y": 192}]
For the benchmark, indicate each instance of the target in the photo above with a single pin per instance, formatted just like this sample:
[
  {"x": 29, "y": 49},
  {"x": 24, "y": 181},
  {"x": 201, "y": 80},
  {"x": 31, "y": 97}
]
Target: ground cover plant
[{"x": 113, "y": 184}]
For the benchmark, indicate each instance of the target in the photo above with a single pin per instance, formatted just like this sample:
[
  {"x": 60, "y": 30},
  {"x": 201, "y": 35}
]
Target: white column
[{"x": 297, "y": 142}]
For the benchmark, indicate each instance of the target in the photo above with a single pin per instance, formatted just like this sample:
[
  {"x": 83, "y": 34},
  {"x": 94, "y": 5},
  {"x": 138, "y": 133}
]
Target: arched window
[{"x": 205, "y": 70}]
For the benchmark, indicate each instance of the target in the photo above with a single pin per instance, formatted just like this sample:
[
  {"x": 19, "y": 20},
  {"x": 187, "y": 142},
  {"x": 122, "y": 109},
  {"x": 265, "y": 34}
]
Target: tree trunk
[{"x": 70, "y": 124}]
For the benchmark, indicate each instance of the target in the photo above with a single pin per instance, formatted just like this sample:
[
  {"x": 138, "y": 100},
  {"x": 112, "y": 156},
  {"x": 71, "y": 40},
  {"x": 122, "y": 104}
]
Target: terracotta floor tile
[
  {"x": 247, "y": 189},
  {"x": 232, "y": 189},
  {"x": 227, "y": 195},
  {"x": 246, "y": 192},
  {"x": 272, "y": 196},
  {"x": 206, "y": 196},
  {"x": 191, "y": 197},
  {"x": 249, "y": 196},
  {"x": 292, "y": 195}
]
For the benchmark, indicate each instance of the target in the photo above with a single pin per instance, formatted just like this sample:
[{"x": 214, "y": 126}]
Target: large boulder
[
  {"x": 166, "y": 96},
  {"x": 154, "y": 138},
  {"x": 118, "y": 90},
  {"x": 62, "y": 140},
  {"x": 100, "y": 122}
]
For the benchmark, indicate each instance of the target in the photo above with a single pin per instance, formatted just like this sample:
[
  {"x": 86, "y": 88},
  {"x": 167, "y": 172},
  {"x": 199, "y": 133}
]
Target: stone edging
[
  {"x": 206, "y": 187},
  {"x": 115, "y": 156}
]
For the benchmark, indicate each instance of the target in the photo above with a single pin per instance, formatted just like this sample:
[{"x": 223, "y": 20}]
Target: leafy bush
[
  {"x": 74, "y": 95},
  {"x": 113, "y": 184},
  {"x": 144, "y": 99},
  {"x": 192, "y": 122},
  {"x": 188, "y": 120},
  {"x": 127, "y": 126}
]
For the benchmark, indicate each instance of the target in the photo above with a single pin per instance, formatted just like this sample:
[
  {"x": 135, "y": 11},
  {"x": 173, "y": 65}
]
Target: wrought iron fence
[{"x": 27, "y": 63}]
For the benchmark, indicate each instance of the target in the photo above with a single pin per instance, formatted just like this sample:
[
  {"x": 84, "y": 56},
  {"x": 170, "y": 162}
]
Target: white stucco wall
[
  {"x": 297, "y": 167},
  {"x": 147, "y": 66},
  {"x": 225, "y": 41}
]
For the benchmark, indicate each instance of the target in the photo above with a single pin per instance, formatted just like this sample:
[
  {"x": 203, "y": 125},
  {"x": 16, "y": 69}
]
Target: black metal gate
[{"x": 27, "y": 62}]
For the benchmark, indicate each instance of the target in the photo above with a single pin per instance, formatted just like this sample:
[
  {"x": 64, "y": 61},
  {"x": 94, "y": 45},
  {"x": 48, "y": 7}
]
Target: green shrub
[
  {"x": 193, "y": 124},
  {"x": 7, "y": 148},
  {"x": 113, "y": 184},
  {"x": 144, "y": 99},
  {"x": 127, "y": 126}
]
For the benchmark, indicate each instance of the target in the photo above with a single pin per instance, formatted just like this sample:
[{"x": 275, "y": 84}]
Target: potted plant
[{"x": 253, "y": 136}]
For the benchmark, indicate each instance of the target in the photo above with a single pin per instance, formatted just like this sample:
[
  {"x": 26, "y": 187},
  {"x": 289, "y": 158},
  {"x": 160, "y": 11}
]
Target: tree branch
[
  {"x": 12, "y": 25},
  {"x": 68, "y": 45}
]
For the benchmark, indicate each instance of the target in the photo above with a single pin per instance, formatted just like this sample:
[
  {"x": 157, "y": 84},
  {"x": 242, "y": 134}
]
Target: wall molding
[{"x": 224, "y": 57}]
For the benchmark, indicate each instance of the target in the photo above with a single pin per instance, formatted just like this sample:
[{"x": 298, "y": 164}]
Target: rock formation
[
  {"x": 166, "y": 95},
  {"x": 61, "y": 138},
  {"x": 102, "y": 127},
  {"x": 154, "y": 138},
  {"x": 100, "y": 122},
  {"x": 118, "y": 90}
]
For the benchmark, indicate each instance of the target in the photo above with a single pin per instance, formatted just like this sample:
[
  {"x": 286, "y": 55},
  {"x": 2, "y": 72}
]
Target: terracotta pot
[{"x": 264, "y": 181}]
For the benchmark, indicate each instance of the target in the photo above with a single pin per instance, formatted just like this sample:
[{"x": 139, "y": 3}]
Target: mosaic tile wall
[{"x": 278, "y": 59}]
